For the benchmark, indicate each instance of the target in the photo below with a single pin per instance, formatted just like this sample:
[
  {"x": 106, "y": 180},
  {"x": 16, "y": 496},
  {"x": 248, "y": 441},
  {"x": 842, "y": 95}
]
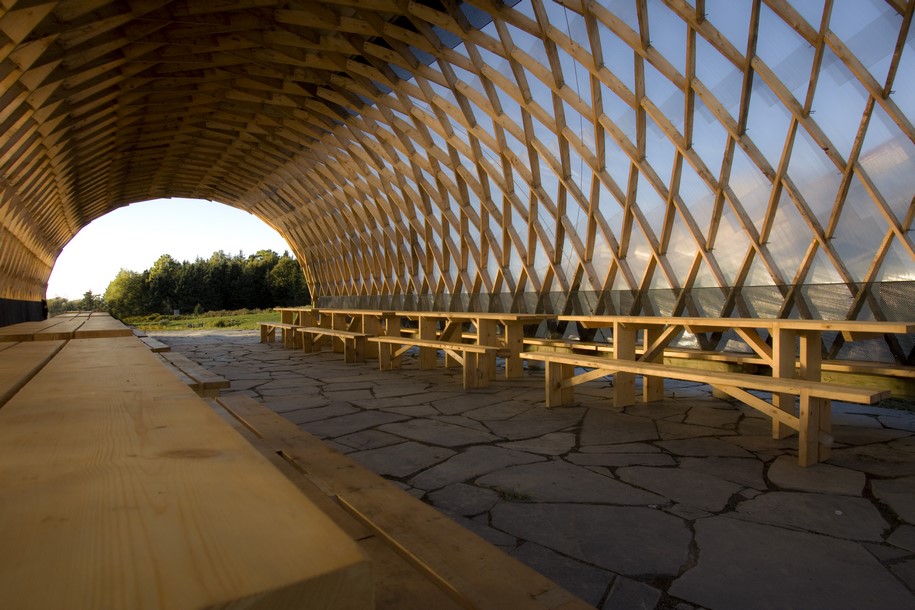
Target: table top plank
[
  {"x": 121, "y": 488},
  {"x": 702, "y": 324}
]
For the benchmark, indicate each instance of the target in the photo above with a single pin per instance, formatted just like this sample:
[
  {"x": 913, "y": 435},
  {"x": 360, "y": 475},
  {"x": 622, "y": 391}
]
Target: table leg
[
  {"x": 783, "y": 365},
  {"x": 427, "y": 330},
  {"x": 810, "y": 360},
  {"x": 653, "y": 387},
  {"x": 623, "y": 349},
  {"x": 371, "y": 326},
  {"x": 486, "y": 335},
  {"x": 338, "y": 322},
  {"x": 514, "y": 342},
  {"x": 557, "y": 395}
]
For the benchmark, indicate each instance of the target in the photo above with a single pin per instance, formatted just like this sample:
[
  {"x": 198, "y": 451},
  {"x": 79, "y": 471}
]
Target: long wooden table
[
  {"x": 487, "y": 325},
  {"x": 121, "y": 488},
  {"x": 792, "y": 348}
]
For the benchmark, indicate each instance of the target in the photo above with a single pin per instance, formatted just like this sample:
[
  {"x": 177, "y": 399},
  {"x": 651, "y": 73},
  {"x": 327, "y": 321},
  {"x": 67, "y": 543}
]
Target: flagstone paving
[{"x": 687, "y": 503}]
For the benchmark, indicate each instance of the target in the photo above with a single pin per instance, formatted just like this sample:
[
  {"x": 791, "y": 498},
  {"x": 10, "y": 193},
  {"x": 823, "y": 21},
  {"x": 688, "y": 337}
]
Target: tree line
[{"x": 222, "y": 282}]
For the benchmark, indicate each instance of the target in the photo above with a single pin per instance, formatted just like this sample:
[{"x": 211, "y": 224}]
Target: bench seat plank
[
  {"x": 204, "y": 382},
  {"x": 120, "y": 488},
  {"x": 468, "y": 355}
]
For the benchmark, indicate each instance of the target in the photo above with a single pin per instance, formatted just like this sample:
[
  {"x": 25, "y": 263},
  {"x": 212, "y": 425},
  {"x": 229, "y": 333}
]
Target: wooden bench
[
  {"x": 466, "y": 355},
  {"x": 268, "y": 333},
  {"x": 354, "y": 344},
  {"x": 404, "y": 536},
  {"x": 198, "y": 378},
  {"x": 813, "y": 423},
  {"x": 120, "y": 488}
]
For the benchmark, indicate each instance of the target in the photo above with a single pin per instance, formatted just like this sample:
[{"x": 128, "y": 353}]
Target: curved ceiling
[{"x": 644, "y": 155}]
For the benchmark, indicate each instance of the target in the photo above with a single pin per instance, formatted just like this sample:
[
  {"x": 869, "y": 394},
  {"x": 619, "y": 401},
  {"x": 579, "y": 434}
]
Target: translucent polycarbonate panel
[
  {"x": 574, "y": 75},
  {"x": 732, "y": 19},
  {"x": 697, "y": 196},
  {"x": 859, "y": 232},
  {"x": 620, "y": 112},
  {"x": 785, "y": 52},
  {"x": 840, "y": 122},
  {"x": 528, "y": 43},
  {"x": 823, "y": 270},
  {"x": 720, "y": 76},
  {"x": 638, "y": 254},
  {"x": 767, "y": 122},
  {"x": 651, "y": 204},
  {"x": 624, "y": 10},
  {"x": 681, "y": 249},
  {"x": 709, "y": 137},
  {"x": 789, "y": 238},
  {"x": 668, "y": 34},
  {"x": 863, "y": 25},
  {"x": 814, "y": 175},
  {"x": 903, "y": 87},
  {"x": 888, "y": 158},
  {"x": 897, "y": 266},
  {"x": 665, "y": 95},
  {"x": 750, "y": 185},
  {"x": 810, "y": 10},
  {"x": 618, "y": 57},
  {"x": 659, "y": 151}
]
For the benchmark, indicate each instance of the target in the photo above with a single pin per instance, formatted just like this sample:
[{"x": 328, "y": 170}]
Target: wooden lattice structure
[{"x": 752, "y": 157}]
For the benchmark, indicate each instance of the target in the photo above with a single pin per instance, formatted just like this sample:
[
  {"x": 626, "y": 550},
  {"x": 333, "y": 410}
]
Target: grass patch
[
  {"x": 241, "y": 319},
  {"x": 510, "y": 495}
]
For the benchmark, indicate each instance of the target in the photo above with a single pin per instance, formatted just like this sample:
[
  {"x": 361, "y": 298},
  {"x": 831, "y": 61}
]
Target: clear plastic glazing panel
[
  {"x": 840, "y": 121},
  {"x": 665, "y": 95},
  {"x": 863, "y": 25},
  {"x": 859, "y": 231},
  {"x": 731, "y": 19},
  {"x": 888, "y": 157},
  {"x": 709, "y": 137},
  {"x": 720, "y": 76},
  {"x": 697, "y": 196},
  {"x": 810, "y": 10},
  {"x": 618, "y": 57},
  {"x": 789, "y": 238},
  {"x": 681, "y": 249},
  {"x": 903, "y": 88},
  {"x": 785, "y": 52},
  {"x": 750, "y": 185},
  {"x": 814, "y": 175},
  {"x": 668, "y": 34},
  {"x": 767, "y": 122}
]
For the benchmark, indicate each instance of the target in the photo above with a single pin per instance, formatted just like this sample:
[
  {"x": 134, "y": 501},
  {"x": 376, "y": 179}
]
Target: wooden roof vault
[{"x": 586, "y": 149}]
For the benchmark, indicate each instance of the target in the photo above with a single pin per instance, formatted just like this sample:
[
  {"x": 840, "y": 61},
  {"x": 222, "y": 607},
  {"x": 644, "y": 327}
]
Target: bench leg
[
  {"x": 386, "y": 360},
  {"x": 816, "y": 418},
  {"x": 309, "y": 344},
  {"x": 556, "y": 394},
  {"x": 514, "y": 341},
  {"x": 263, "y": 334},
  {"x": 354, "y": 350},
  {"x": 652, "y": 387},
  {"x": 474, "y": 376},
  {"x": 288, "y": 338}
]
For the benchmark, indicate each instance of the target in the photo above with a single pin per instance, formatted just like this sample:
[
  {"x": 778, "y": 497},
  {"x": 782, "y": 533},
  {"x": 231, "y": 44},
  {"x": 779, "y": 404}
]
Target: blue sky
[{"x": 133, "y": 238}]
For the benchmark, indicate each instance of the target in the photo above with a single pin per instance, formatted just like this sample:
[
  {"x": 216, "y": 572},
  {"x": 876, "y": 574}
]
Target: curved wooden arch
[{"x": 536, "y": 154}]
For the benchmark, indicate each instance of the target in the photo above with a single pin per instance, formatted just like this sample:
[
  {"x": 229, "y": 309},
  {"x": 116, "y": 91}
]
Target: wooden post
[
  {"x": 427, "y": 330},
  {"x": 370, "y": 325},
  {"x": 514, "y": 342},
  {"x": 556, "y": 394},
  {"x": 653, "y": 387},
  {"x": 473, "y": 375},
  {"x": 783, "y": 365},
  {"x": 810, "y": 360},
  {"x": 391, "y": 329},
  {"x": 624, "y": 349},
  {"x": 809, "y": 434},
  {"x": 486, "y": 335}
]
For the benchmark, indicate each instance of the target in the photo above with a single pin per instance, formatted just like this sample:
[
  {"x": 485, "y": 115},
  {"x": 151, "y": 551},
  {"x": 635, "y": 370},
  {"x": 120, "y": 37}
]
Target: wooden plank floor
[{"x": 120, "y": 488}]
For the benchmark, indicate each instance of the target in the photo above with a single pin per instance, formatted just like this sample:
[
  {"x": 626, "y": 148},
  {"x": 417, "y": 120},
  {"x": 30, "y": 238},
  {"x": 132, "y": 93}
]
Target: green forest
[{"x": 222, "y": 282}]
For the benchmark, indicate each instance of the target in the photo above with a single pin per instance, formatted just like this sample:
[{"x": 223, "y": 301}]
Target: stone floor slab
[
  {"x": 438, "y": 433},
  {"x": 820, "y": 478},
  {"x": 899, "y": 495},
  {"x": 703, "y": 447},
  {"x": 625, "y": 540},
  {"x": 833, "y": 515},
  {"x": 347, "y": 424},
  {"x": 558, "y": 481},
  {"x": 473, "y": 462},
  {"x": 536, "y": 422},
  {"x": 587, "y": 582},
  {"x": 759, "y": 567},
  {"x": 628, "y": 594},
  {"x": 601, "y": 427},
  {"x": 463, "y": 499},
  {"x": 681, "y": 485},
  {"x": 554, "y": 443},
  {"x": 401, "y": 460}
]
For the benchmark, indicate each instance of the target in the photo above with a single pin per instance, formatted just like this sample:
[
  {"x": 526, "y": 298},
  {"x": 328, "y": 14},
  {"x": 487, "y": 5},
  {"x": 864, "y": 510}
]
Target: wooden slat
[{"x": 135, "y": 476}]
